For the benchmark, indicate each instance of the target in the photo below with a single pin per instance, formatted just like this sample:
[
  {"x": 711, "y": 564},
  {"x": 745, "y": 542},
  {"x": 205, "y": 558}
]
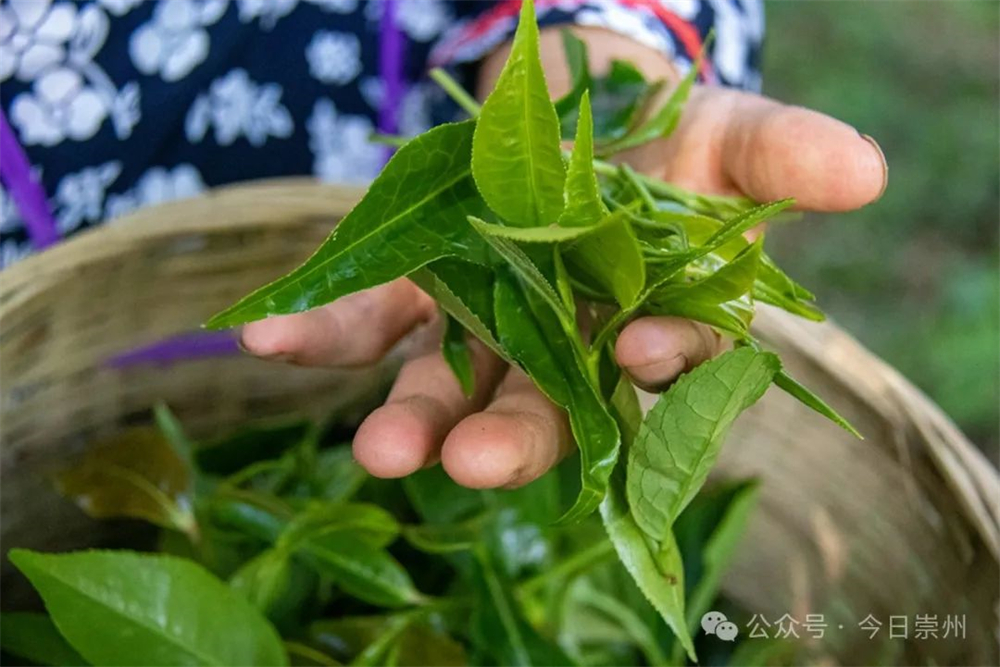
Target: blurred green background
[{"x": 916, "y": 276}]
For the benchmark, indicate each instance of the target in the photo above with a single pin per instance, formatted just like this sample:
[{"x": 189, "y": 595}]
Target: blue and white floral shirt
[{"x": 120, "y": 104}]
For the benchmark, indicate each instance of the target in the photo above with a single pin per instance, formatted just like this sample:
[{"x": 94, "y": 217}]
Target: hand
[{"x": 508, "y": 434}]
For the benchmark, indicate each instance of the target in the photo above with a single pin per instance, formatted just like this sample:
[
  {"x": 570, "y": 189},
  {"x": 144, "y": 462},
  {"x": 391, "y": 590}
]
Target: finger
[
  {"x": 514, "y": 441},
  {"x": 655, "y": 350},
  {"x": 731, "y": 141},
  {"x": 426, "y": 401},
  {"x": 355, "y": 330}
]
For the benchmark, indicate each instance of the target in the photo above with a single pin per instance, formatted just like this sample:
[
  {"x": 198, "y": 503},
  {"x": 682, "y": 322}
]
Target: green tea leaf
[
  {"x": 719, "y": 206},
  {"x": 302, "y": 655},
  {"x": 735, "y": 227},
  {"x": 255, "y": 515},
  {"x": 659, "y": 579},
  {"x": 437, "y": 499},
  {"x": 549, "y": 234},
  {"x": 611, "y": 256},
  {"x": 578, "y": 64},
  {"x": 766, "y": 652},
  {"x": 464, "y": 291},
  {"x": 722, "y": 519},
  {"x": 775, "y": 287},
  {"x": 729, "y": 282},
  {"x": 444, "y": 538},
  {"x": 413, "y": 213},
  {"x": 374, "y": 640},
  {"x": 564, "y": 284},
  {"x": 250, "y": 444},
  {"x": 361, "y": 570},
  {"x": 765, "y": 292},
  {"x": 664, "y": 122},
  {"x": 34, "y": 637},
  {"x": 136, "y": 474},
  {"x": 125, "y": 608},
  {"x": 336, "y": 476},
  {"x": 405, "y": 641},
  {"x": 619, "y": 100},
  {"x": 518, "y": 537},
  {"x": 423, "y": 645},
  {"x": 635, "y": 630},
  {"x": 516, "y": 156},
  {"x": 277, "y": 586},
  {"x": 716, "y": 299},
  {"x": 787, "y": 383},
  {"x": 525, "y": 268},
  {"x": 455, "y": 91},
  {"x": 584, "y": 207},
  {"x": 671, "y": 269},
  {"x": 172, "y": 430},
  {"x": 533, "y": 336},
  {"x": 498, "y": 624},
  {"x": 681, "y": 436},
  {"x": 455, "y": 350},
  {"x": 772, "y": 286},
  {"x": 346, "y": 637},
  {"x": 658, "y": 575},
  {"x": 361, "y": 522}
]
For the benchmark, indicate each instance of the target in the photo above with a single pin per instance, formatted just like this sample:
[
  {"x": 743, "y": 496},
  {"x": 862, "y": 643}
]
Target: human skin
[{"x": 508, "y": 433}]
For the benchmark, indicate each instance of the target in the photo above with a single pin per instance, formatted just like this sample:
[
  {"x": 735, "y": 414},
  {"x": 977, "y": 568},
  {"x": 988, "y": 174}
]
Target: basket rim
[{"x": 298, "y": 198}]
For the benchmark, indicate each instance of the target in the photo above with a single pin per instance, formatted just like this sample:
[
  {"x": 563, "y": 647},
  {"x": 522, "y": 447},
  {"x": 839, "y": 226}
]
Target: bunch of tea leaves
[
  {"x": 513, "y": 237},
  {"x": 279, "y": 549}
]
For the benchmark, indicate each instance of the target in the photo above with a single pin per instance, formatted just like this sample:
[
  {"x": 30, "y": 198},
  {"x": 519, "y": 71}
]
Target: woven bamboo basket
[{"x": 904, "y": 523}]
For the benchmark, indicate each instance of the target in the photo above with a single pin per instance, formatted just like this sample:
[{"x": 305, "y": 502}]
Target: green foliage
[
  {"x": 516, "y": 158},
  {"x": 535, "y": 338},
  {"x": 276, "y": 584},
  {"x": 710, "y": 531},
  {"x": 125, "y": 608},
  {"x": 508, "y": 235},
  {"x": 663, "y": 121},
  {"x": 35, "y": 637},
  {"x": 136, "y": 474},
  {"x": 414, "y": 213},
  {"x": 620, "y": 98},
  {"x": 584, "y": 207},
  {"x": 682, "y": 435},
  {"x": 312, "y": 560}
]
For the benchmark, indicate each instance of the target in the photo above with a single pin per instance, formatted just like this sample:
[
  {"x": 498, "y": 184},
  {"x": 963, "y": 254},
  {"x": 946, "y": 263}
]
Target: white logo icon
[{"x": 716, "y": 623}]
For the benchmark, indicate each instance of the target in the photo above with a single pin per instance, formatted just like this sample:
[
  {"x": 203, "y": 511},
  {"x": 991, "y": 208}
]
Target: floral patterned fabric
[{"x": 125, "y": 103}]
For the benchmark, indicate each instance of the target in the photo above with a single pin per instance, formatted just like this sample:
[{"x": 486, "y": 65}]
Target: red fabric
[{"x": 686, "y": 33}]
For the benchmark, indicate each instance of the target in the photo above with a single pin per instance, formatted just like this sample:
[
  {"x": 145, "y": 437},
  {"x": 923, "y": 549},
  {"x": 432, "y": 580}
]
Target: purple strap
[
  {"x": 27, "y": 193},
  {"x": 391, "y": 48},
  {"x": 182, "y": 347}
]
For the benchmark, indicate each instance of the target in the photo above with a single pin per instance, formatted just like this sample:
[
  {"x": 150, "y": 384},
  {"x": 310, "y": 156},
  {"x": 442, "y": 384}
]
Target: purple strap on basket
[
  {"x": 27, "y": 193},
  {"x": 182, "y": 347},
  {"x": 390, "y": 62}
]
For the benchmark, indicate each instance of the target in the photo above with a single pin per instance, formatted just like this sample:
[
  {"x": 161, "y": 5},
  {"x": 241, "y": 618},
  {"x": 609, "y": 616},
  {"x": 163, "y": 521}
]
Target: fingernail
[
  {"x": 278, "y": 356},
  {"x": 885, "y": 165}
]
